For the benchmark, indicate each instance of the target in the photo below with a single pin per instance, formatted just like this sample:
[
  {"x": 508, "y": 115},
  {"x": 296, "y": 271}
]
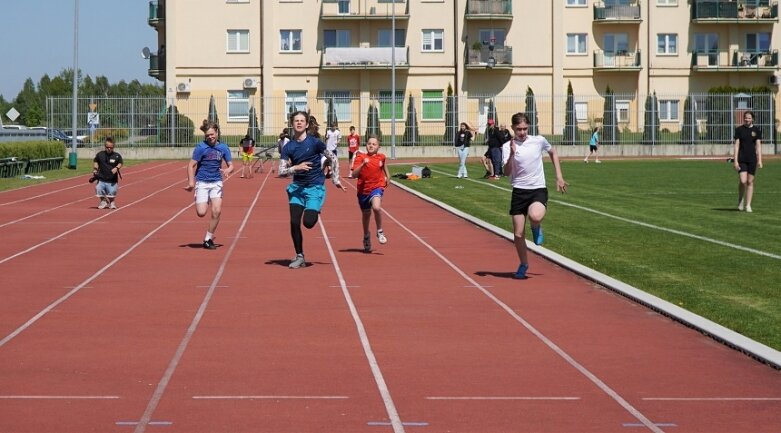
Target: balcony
[
  {"x": 156, "y": 14},
  {"x": 740, "y": 11},
  {"x": 617, "y": 60},
  {"x": 481, "y": 58},
  {"x": 157, "y": 67},
  {"x": 364, "y": 58},
  {"x": 364, "y": 10},
  {"x": 617, "y": 14},
  {"x": 739, "y": 60},
  {"x": 489, "y": 10}
]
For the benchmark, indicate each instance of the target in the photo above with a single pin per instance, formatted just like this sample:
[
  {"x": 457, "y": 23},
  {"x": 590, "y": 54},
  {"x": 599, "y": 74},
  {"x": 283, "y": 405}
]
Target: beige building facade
[{"x": 283, "y": 54}]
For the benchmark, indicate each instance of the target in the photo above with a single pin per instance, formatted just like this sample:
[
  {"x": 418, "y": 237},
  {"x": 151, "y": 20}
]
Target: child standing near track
[
  {"x": 593, "y": 146},
  {"x": 247, "y": 152},
  {"x": 372, "y": 174},
  {"x": 353, "y": 145}
]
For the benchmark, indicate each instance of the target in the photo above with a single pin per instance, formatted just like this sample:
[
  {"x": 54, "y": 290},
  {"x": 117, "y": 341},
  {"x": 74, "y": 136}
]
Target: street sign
[
  {"x": 93, "y": 118},
  {"x": 12, "y": 114}
]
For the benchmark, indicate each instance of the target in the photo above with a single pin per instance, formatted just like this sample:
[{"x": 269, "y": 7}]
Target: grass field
[{"x": 668, "y": 227}]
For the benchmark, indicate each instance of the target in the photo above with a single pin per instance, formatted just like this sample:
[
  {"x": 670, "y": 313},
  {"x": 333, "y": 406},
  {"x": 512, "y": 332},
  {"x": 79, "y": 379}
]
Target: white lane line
[
  {"x": 270, "y": 397},
  {"x": 555, "y": 348},
  {"x": 73, "y": 202},
  {"x": 505, "y": 398},
  {"x": 79, "y": 185},
  {"x": 712, "y": 398},
  {"x": 91, "y": 278},
  {"x": 390, "y": 407},
  {"x": 59, "y": 397},
  {"x": 162, "y": 385},
  {"x": 640, "y": 223}
]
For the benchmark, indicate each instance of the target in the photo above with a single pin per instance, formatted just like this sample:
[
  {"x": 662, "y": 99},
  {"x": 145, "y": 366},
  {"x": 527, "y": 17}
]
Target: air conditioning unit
[
  {"x": 183, "y": 88},
  {"x": 250, "y": 83}
]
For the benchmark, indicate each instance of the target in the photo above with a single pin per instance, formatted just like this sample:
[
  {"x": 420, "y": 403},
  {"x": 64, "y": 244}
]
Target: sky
[{"x": 38, "y": 39}]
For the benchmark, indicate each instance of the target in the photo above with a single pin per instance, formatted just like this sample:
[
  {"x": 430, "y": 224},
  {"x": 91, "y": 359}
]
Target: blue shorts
[
  {"x": 310, "y": 197},
  {"x": 365, "y": 200},
  {"x": 106, "y": 189}
]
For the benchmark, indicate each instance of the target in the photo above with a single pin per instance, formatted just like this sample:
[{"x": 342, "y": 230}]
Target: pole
[
  {"x": 72, "y": 156},
  {"x": 393, "y": 80}
]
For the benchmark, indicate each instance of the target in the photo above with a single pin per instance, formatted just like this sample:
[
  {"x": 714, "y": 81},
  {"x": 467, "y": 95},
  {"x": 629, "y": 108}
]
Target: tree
[
  {"x": 451, "y": 117},
  {"x": 492, "y": 112},
  {"x": 252, "y": 129},
  {"x": 689, "y": 133},
  {"x": 331, "y": 119},
  {"x": 651, "y": 128},
  {"x": 411, "y": 135},
  {"x": 570, "y": 129},
  {"x": 531, "y": 112},
  {"x": 213, "y": 117},
  {"x": 182, "y": 125},
  {"x": 609, "y": 118},
  {"x": 373, "y": 123}
]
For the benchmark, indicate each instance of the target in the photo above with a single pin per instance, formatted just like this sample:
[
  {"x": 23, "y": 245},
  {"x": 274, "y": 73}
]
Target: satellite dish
[{"x": 145, "y": 53}]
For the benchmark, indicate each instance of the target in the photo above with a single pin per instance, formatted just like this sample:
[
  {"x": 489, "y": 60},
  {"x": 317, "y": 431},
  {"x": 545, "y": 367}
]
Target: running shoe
[
  {"x": 209, "y": 244},
  {"x": 367, "y": 243},
  {"x": 381, "y": 237},
  {"x": 748, "y": 209},
  {"x": 297, "y": 262},
  {"x": 112, "y": 205},
  {"x": 740, "y": 205},
  {"x": 103, "y": 204},
  {"x": 539, "y": 238},
  {"x": 520, "y": 274}
]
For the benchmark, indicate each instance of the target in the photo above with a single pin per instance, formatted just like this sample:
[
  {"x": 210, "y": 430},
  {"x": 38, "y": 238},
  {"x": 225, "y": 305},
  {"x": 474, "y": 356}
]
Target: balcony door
[
  {"x": 707, "y": 44},
  {"x": 615, "y": 44}
]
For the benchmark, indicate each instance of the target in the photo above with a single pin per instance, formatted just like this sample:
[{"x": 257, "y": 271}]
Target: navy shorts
[
  {"x": 750, "y": 167},
  {"x": 523, "y": 198},
  {"x": 365, "y": 200}
]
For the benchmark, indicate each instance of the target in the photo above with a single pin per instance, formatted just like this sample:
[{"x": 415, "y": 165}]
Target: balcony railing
[
  {"x": 157, "y": 66},
  {"x": 156, "y": 13},
  {"x": 489, "y": 9},
  {"x": 617, "y": 60},
  {"x": 731, "y": 11},
  {"x": 617, "y": 13},
  {"x": 364, "y": 58},
  {"x": 735, "y": 61},
  {"x": 364, "y": 10},
  {"x": 502, "y": 58}
]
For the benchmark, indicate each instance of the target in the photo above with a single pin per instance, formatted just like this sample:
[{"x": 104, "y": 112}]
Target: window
[
  {"x": 614, "y": 3},
  {"x": 295, "y": 101},
  {"x": 668, "y": 110},
  {"x": 433, "y": 105},
  {"x": 386, "y": 105},
  {"x": 341, "y": 100},
  {"x": 758, "y": 42},
  {"x": 667, "y": 43},
  {"x": 433, "y": 40},
  {"x": 666, "y": 2},
  {"x": 576, "y": 2},
  {"x": 238, "y": 105},
  {"x": 499, "y": 34},
  {"x": 344, "y": 7},
  {"x": 238, "y": 41},
  {"x": 622, "y": 111},
  {"x": 384, "y": 37},
  {"x": 336, "y": 38},
  {"x": 290, "y": 40},
  {"x": 576, "y": 43},
  {"x": 581, "y": 111}
]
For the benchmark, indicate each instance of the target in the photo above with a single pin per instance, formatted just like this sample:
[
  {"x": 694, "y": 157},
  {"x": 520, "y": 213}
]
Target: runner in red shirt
[
  {"x": 353, "y": 144},
  {"x": 372, "y": 174}
]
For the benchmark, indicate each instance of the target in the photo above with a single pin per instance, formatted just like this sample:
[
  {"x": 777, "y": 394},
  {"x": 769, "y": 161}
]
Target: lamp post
[
  {"x": 73, "y": 156},
  {"x": 393, "y": 80}
]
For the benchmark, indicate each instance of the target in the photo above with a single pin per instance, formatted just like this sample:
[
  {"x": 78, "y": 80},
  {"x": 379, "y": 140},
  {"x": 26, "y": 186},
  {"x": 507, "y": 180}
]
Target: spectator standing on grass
[
  {"x": 463, "y": 141},
  {"x": 205, "y": 175},
  {"x": 493, "y": 137},
  {"x": 522, "y": 160},
  {"x": 247, "y": 153},
  {"x": 593, "y": 145},
  {"x": 747, "y": 158},
  {"x": 372, "y": 174},
  {"x": 301, "y": 157},
  {"x": 105, "y": 169},
  {"x": 353, "y": 146}
]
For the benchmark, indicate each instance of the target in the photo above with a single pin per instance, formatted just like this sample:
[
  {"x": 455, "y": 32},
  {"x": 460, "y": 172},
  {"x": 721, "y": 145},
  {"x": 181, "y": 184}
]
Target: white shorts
[{"x": 205, "y": 191}]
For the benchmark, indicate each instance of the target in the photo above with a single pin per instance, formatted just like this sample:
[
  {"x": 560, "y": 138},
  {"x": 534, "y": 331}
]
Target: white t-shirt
[
  {"x": 332, "y": 139},
  {"x": 526, "y": 170}
]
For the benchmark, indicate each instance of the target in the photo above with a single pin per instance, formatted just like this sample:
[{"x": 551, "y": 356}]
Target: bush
[{"x": 32, "y": 149}]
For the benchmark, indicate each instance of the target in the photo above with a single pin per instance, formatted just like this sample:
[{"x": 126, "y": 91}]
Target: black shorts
[
  {"x": 523, "y": 198},
  {"x": 592, "y": 147},
  {"x": 750, "y": 167}
]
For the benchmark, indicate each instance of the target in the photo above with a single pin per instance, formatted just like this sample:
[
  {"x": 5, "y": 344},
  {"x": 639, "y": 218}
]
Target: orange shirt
[{"x": 373, "y": 174}]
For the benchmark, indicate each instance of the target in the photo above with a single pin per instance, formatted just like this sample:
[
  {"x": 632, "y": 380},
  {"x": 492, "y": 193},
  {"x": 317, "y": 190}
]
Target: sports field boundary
[{"x": 750, "y": 347}]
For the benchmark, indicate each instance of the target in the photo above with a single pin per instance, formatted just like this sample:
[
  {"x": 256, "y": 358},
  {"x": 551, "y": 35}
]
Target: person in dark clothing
[
  {"x": 494, "y": 139},
  {"x": 105, "y": 168},
  {"x": 747, "y": 158}
]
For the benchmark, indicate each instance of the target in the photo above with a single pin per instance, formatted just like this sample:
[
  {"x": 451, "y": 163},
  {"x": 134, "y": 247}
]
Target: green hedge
[{"x": 32, "y": 149}]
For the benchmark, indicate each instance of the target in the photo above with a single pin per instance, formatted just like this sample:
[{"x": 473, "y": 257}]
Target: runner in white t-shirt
[{"x": 522, "y": 161}]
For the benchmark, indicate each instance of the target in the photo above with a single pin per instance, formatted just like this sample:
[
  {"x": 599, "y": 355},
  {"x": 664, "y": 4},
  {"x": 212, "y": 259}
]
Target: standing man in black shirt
[
  {"x": 747, "y": 157},
  {"x": 105, "y": 169}
]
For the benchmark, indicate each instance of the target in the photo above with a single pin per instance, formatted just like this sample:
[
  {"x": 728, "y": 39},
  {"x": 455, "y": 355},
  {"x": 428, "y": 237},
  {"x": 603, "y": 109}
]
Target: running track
[{"x": 117, "y": 321}]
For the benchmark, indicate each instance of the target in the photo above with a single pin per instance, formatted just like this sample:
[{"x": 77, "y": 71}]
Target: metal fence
[{"x": 421, "y": 120}]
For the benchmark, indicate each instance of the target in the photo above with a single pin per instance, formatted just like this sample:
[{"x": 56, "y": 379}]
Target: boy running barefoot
[{"x": 372, "y": 174}]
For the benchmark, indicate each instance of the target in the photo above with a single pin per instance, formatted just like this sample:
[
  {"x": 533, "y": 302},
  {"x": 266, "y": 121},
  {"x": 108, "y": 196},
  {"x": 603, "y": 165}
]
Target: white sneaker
[
  {"x": 297, "y": 262},
  {"x": 381, "y": 237},
  {"x": 748, "y": 209},
  {"x": 598, "y": 162},
  {"x": 112, "y": 205},
  {"x": 740, "y": 205},
  {"x": 103, "y": 204},
  {"x": 367, "y": 243}
]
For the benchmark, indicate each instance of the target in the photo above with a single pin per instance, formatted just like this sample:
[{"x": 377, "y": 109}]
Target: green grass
[
  {"x": 736, "y": 288},
  {"x": 83, "y": 168}
]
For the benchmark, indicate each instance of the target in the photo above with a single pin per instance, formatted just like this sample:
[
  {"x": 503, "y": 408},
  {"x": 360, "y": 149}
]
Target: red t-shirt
[
  {"x": 372, "y": 176},
  {"x": 353, "y": 142}
]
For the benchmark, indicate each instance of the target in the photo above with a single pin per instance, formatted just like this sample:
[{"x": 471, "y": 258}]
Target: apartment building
[{"x": 301, "y": 53}]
